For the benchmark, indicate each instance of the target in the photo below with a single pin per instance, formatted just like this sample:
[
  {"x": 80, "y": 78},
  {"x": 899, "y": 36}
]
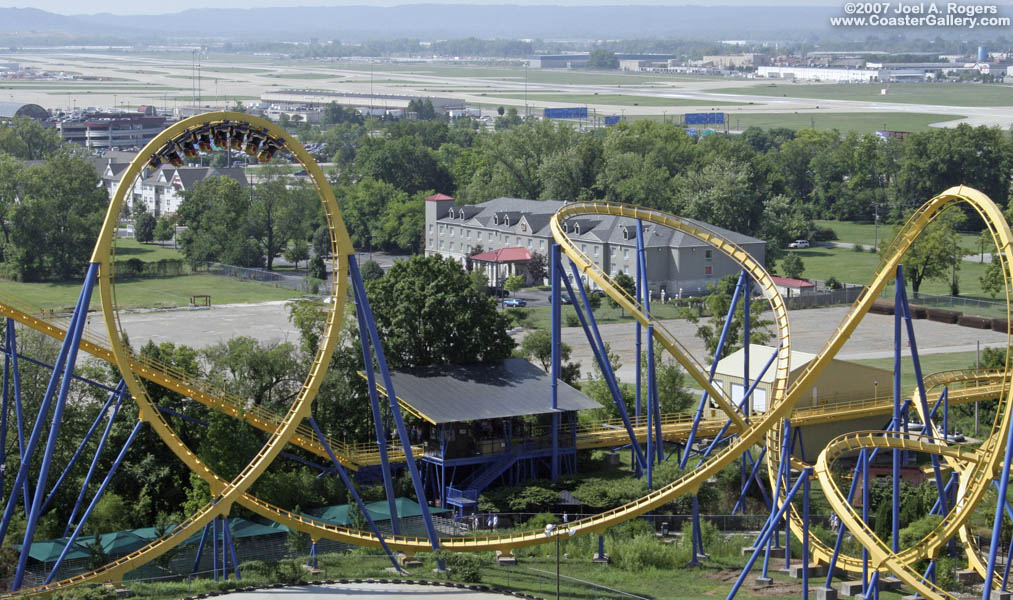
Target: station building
[{"x": 678, "y": 264}]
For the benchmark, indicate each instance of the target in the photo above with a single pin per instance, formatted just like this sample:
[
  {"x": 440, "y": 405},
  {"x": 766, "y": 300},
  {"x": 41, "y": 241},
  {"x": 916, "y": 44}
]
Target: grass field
[
  {"x": 127, "y": 248},
  {"x": 865, "y": 234},
  {"x": 858, "y": 267},
  {"x": 943, "y": 94},
  {"x": 857, "y": 122},
  {"x": 305, "y": 75},
  {"x": 930, "y": 363},
  {"x": 147, "y": 293},
  {"x": 533, "y": 75},
  {"x": 616, "y": 99}
]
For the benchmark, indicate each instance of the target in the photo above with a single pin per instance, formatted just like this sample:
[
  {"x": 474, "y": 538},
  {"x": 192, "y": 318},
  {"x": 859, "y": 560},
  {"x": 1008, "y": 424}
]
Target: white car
[{"x": 799, "y": 244}]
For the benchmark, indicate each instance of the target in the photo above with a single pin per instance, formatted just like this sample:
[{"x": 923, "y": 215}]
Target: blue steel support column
[
  {"x": 200, "y": 548},
  {"x": 65, "y": 369},
  {"x": 650, "y": 408},
  {"x": 355, "y": 495},
  {"x": 374, "y": 404},
  {"x": 865, "y": 519},
  {"x": 747, "y": 293},
  {"x": 993, "y": 548},
  {"x": 895, "y": 497},
  {"x": 214, "y": 548},
  {"x": 6, "y": 406},
  {"x": 395, "y": 409},
  {"x": 638, "y": 343},
  {"x": 713, "y": 369},
  {"x": 740, "y": 503},
  {"x": 94, "y": 464},
  {"x": 91, "y": 506},
  {"x": 805, "y": 539},
  {"x": 232, "y": 550},
  {"x": 80, "y": 448},
  {"x": 767, "y": 530},
  {"x": 556, "y": 367},
  {"x": 591, "y": 329},
  {"x": 12, "y": 347}
]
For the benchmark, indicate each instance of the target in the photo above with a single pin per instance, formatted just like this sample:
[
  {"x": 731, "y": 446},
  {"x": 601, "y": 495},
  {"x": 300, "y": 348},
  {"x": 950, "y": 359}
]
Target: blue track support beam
[
  {"x": 5, "y": 410},
  {"x": 993, "y": 548},
  {"x": 740, "y": 503},
  {"x": 895, "y": 480},
  {"x": 768, "y": 529},
  {"x": 714, "y": 365},
  {"x": 68, "y": 358},
  {"x": 743, "y": 403},
  {"x": 395, "y": 408},
  {"x": 200, "y": 548},
  {"x": 805, "y": 539},
  {"x": 556, "y": 367},
  {"x": 603, "y": 362},
  {"x": 214, "y": 548},
  {"x": 232, "y": 550},
  {"x": 781, "y": 480},
  {"x": 355, "y": 495},
  {"x": 117, "y": 393},
  {"x": 12, "y": 350},
  {"x": 840, "y": 532},
  {"x": 94, "y": 463},
  {"x": 747, "y": 294},
  {"x": 91, "y": 506},
  {"x": 650, "y": 408},
  {"x": 865, "y": 519},
  {"x": 374, "y": 403}
]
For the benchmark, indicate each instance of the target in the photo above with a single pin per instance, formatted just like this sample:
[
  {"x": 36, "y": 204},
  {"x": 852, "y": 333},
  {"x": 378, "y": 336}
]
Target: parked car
[
  {"x": 799, "y": 244},
  {"x": 515, "y": 302}
]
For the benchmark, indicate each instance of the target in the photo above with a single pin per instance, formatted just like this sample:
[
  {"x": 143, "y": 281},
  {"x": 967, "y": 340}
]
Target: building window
[
  {"x": 468, "y": 235},
  {"x": 583, "y": 248},
  {"x": 452, "y": 247},
  {"x": 430, "y": 228},
  {"x": 596, "y": 250},
  {"x": 708, "y": 270},
  {"x": 495, "y": 219},
  {"x": 506, "y": 220},
  {"x": 518, "y": 240},
  {"x": 529, "y": 243},
  {"x": 441, "y": 244},
  {"x": 451, "y": 232},
  {"x": 576, "y": 228},
  {"x": 707, "y": 254},
  {"x": 524, "y": 227},
  {"x": 442, "y": 227},
  {"x": 626, "y": 253},
  {"x": 478, "y": 236},
  {"x": 451, "y": 213},
  {"x": 626, "y": 233},
  {"x": 541, "y": 244},
  {"x": 430, "y": 242}
]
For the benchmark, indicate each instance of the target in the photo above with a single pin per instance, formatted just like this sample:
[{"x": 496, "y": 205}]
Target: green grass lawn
[
  {"x": 540, "y": 317},
  {"x": 146, "y": 293},
  {"x": 549, "y": 76},
  {"x": 865, "y": 234},
  {"x": 305, "y": 75},
  {"x": 942, "y": 94},
  {"x": 930, "y": 363},
  {"x": 857, "y": 122},
  {"x": 858, "y": 267},
  {"x": 127, "y": 248},
  {"x": 617, "y": 99}
]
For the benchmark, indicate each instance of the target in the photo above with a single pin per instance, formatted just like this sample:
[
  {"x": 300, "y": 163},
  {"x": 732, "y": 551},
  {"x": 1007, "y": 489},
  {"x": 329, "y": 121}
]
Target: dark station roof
[
  {"x": 508, "y": 388},
  {"x": 10, "y": 110}
]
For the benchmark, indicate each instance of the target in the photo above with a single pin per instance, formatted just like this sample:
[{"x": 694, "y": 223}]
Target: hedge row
[{"x": 942, "y": 315}]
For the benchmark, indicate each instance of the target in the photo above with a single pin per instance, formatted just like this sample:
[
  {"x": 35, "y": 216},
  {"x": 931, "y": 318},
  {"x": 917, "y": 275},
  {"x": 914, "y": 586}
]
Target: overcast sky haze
[{"x": 120, "y": 7}]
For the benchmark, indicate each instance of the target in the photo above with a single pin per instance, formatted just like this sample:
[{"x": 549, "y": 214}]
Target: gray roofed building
[
  {"x": 507, "y": 388},
  {"x": 677, "y": 263},
  {"x": 11, "y": 110}
]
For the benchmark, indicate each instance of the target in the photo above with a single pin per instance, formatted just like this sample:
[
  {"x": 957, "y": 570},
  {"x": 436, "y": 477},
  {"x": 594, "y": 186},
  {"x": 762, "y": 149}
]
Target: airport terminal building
[{"x": 678, "y": 264}]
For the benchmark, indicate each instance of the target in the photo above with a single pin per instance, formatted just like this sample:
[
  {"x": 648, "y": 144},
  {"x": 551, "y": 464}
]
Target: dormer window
[
  {"x": 506, "y": 220},
  {"x": 576, "y": 228},
  {"x": 495, "y": 219},
  {"x": 450, "y": 214},
  {"x": 626, "y": 233}
]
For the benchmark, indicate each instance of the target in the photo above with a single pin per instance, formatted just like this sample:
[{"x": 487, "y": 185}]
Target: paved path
[{"x": 366, "y": 591}]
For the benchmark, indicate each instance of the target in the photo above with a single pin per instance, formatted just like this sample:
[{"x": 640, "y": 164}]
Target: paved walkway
[{"x": 367, "y": 591}]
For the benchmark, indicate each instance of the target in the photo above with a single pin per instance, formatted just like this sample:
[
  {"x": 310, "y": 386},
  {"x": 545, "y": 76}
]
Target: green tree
[
  {"x": 511, "y": 119},
  {"x": 371, "y": 270},
  {"x": 401, "y": 226},
  {"x": 211, "y": 212},
  {"x": 625, "y": 282},
  {"x": 297, "y": 252},
  {"x": 164, "y": 229},
  {"x": 936, "y": 254},
  {"x": 537, "y": 346},
  {"x": 28, "y": 139},
  {"x": 144, "y": 226},
  {"x": 514, "y": 283},
  {"x": 362, "y": 206},
  {"x": 601, "y": 59},
  {"x": 54, "y": 226},
  {"x": 404, "y": 163},
  {"x": 792, "y": 266},
  {"x": 428, "y": 312},
  {"x": 716, "y": 305}
]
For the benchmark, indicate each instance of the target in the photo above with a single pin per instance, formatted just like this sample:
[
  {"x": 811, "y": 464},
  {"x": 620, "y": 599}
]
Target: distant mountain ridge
[{"x": 442, "y": 21}]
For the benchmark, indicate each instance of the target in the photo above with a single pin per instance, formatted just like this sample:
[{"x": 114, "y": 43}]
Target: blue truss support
[
  {"x": 993, "y": 548},
  {"x": 351, "y": 488},
  {"x": 556, "y": 366},
  {"x": 743, "y": 403},
  {"x": 644, "y": 295},
  {"x": 5, "y": 410},
  {"x": 87, "y": 513},
  {"x": 374, "y": 402},
  {"x": 1005, "y": 571},
  {"x": 603, "y": 362},
  {"x": 73, "y": 376},
  {"x": 895, "y": 471},
  {"x": 94, "y": 463},
  {"x": 740, "y": 503},
  {"x": 323, "y": 470},
  {"x": 805, "y": 539},
  {"x": 637, "y": 379},
  {"x": 232, "y": 550},
  {"x": 117, "y": 393},
  {"x": 12, "y": 350},
  {"x": 650, "y": 408},
  {"x": 66, "y": 361},
  {"x": 174, "y": 413},
  {"x": 865, "y": 519},
  {"x": 714, "y": 365},
  {"x": 781, "y": 478},
  {"x": 200, "y": 548},
  {"x": 840, "y": 533},
  {"x": 214, "y": 548},
  {"x": 395, "y": 408},
  {"x": 768, "y": 529},
  {"x": 696, "y": 539},
  {"x": 902, "y": 303},
  {"x": 225, "y": 556}
]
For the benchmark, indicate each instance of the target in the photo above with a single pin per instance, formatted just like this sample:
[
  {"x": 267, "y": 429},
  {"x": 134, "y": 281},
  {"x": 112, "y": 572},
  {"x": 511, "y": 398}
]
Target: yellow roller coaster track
[{"x": 287, "y": 427}]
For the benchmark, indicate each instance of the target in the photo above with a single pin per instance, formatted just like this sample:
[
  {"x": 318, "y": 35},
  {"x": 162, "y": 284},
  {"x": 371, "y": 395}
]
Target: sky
[{"x": 123, "y": 7}]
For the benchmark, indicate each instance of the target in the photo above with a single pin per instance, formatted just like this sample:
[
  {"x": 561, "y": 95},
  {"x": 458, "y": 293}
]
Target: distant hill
[{"x": 442, "y": 21}]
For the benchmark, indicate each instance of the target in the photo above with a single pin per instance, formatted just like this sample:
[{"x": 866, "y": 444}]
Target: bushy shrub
[
  {"x": 463, "y": 566},
  {"x": 642, "y": 552}
]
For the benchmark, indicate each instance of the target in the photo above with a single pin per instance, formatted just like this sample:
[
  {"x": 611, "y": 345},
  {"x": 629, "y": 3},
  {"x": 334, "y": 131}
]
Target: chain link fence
[{"x": 296, "y": 282}]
